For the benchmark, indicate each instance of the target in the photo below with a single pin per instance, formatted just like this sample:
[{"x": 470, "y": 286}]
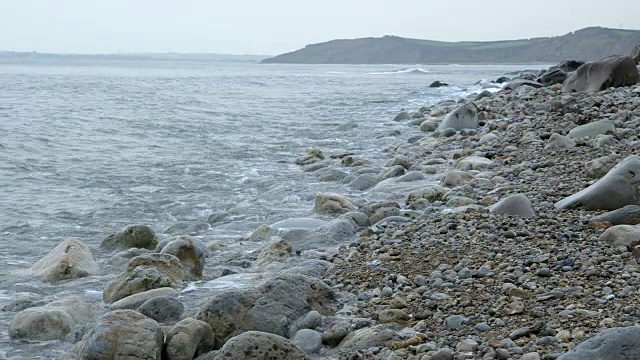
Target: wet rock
[
  {"x": 53, "y": 321},
  {"x": 312, "y": 157},
  {"x": 190, "y": 255},
  {"x": 464, "y": 117},
  {"x": 272, "y": 307},
  {"x": 610, "y": 344},
  {"x": 310, "y": 321},
  {"x": 457, "y": 178},
  {"x": 620, "y": 187},
  {"x": 301, "y": 239},
  {"x": 260, "y": 345},
  {"x": 262, "y": 233},
  {"x": 137, "y": 236},
  {"x": 614, "y": 71},
  {"x": 333, "y": 204},
  {"x": 364, "y": 182},
  {"x": 429, "y": 125},
  {"x": 123, "y": 334},
  {"x": 188, "y": 339},
  {"x": 70, "y": 259},
  {"x": 143, "y": 273},
  {"x": 162, "y": 309},
  {"x": 437, "y": 84},
  {"x": 403, "y": 116},
  {"x": 275, "y": 251},
  {"x": 517, "y": 204},
  {"x": 516, "y": 84},
  {"x": 134, "y": 301},
  {"x": 555, "y": 76}
]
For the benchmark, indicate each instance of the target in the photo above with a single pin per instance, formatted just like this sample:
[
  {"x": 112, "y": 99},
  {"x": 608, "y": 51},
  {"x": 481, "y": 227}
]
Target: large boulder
[
  {"x": 271, "y": 308},
  {"x": 593, "y": 129},
  {"x": 190, "y": 255},
  {"x": 143, "y": 273},
  {"x": 517, "y": 204},
  {"x": 555, "y": 76},
  {"x": 620, "y": 187},
  {"x": 68, "y": 260},
  {"x": 464, "y": 117},
  {"x": 53, "y": 321},
  {"x": 333, "y": 204},
  {"x": 610, "y": 344},
  {"x": 123, "y": 334},
  {"x": 137, "y": 236},
  {"x": 614, "y": 71},
  {"x": 188, "y": 339},
  {"x": 256, "y": 345},
  {"x": 516, "y": 84},
  {"x": 569, "y": 65},
  {"x": 134, "y": 301}
]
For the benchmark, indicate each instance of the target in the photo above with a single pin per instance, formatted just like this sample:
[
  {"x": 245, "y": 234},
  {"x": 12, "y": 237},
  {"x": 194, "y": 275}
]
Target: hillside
[{"x": 586, "y": 44}]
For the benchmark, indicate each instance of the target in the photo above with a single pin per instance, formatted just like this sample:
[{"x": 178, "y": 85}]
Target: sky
[{"x": 270, "y": 27}]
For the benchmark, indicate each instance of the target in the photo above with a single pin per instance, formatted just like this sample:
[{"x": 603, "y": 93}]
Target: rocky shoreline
[{"x": 487, "y": 263}]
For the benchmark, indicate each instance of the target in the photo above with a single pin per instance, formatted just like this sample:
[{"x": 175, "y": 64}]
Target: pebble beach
[{"x": 470, "y": 243}]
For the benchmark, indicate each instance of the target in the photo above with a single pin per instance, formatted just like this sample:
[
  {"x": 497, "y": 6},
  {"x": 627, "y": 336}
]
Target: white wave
[{"x": 418, "y": 71}]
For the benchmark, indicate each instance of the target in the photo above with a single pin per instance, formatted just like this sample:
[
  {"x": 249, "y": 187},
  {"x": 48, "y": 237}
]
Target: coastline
[{"x": 404, "y": 277}]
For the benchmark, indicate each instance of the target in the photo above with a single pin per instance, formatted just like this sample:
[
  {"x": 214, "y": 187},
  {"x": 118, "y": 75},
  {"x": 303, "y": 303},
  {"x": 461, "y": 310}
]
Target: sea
[{"x": 89, "y": 146}]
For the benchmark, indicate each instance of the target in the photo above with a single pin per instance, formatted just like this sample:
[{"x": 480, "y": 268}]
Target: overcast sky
[{"x": 276, "y": 26}]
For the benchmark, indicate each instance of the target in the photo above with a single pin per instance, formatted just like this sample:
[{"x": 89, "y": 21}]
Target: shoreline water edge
[{"x": 504, "y": 229}]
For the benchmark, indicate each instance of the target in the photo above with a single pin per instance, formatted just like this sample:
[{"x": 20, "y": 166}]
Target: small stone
[
  {"x": 455, "y": 321},
  {"x": 442, "y": 354}
]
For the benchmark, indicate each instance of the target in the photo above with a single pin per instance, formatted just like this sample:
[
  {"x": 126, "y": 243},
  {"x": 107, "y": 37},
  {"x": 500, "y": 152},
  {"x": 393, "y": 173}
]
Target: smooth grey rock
[
  {"x": 442, "y": 354},
  {"x": 272, "y": 307},
  {"x": 620, "y": 187},
  {"x": 394, "y": 171},
  {"x": 455, "y": 321},
  {"x": 635, "y": 54},
  {"x": 517, "y": 204},
  {"x": 610, "y": 344},
  {"x": 188, "y": 339},
  {"x": 143, "y": 273},
  {"x": 593, "y": 129},
  {"x": 457, "y": 178},
  {"x": 308, "y": 340},
  {"x": 516, "y": 84},
  {"x": 474, "y": 163},
  {"x": 429, "y": 125},
  {"x": 190, "y": 255},
  {"x": 256, "y": 345},
  {"x": 262, "y": 233},
  {"x": 301, "y": 239},
  {"x": 162, "y": 309},
  {"x": 339, "y": 230},
  {"x": 310, "y": 321},
  {"x": 364, "y": 182},
  {"x": 557, "y": 141},
  {"x": 53, "y": 321},
  {"x": 464, "y": 117},
  {"x": 134, "y": 301},
  {"x": 70, "y": 259},
  {"x": 375, "y": 336},
  {"x": 483, "y": 94},
  {"x": 614, "y": 71},
  {"x": 123, "y": 334},
  {"x": 622, "y": 235},
  {"x": 555, "y": 76},
  {"x": 137, "y": 236}
]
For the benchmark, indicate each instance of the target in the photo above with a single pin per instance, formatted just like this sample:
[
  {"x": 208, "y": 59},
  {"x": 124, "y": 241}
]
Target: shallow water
[{"x": 90, "y": 146}]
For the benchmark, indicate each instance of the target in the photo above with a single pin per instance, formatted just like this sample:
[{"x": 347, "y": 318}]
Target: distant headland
[{"x": 586, "y": 44}]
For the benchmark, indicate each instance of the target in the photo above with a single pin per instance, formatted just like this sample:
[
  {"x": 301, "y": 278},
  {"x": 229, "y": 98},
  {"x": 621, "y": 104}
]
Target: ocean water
[{"x": 89, "y": 146}]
